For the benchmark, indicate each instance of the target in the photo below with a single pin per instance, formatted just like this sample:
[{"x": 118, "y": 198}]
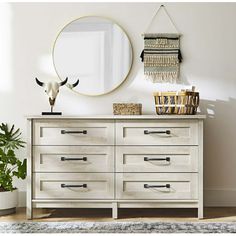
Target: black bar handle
[
  {"x": 157, "y": 159},
  {"x": 73, "y": 185},
  {"x": 73, "y": 159},
  {"x": 73, "y": 132},
  {"x": 157, "y": 132},
  {"x": 156, "y": 186}
]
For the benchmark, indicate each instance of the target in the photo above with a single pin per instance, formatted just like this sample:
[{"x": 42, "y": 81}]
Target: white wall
[{"x": 27, "y": 34}]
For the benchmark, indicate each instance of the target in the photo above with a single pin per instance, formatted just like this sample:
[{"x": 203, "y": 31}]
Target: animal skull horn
[
  {"x": 39, "y": 82},
  {"x": 75, "y": 84},
  {"x": 63, "y": 82}
]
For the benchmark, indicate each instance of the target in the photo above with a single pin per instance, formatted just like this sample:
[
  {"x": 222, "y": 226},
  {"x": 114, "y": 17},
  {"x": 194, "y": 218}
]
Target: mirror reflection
[{"x": 94, "y": 50}]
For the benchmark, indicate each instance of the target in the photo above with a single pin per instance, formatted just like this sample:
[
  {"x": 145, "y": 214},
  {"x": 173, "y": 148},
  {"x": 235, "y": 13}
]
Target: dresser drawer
[
  {"x": 73, "y": 186},
  {"x": 82, "y": 132},
  {"x": 157, "y": 132},
  {"x": 73, "y": 159},
  {"x": 157, "y": 186},
  {"x": 157, "y": 159}
]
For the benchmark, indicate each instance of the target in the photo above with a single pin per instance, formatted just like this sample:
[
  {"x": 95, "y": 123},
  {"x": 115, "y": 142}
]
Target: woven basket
[{"x": 178, "y": 103}]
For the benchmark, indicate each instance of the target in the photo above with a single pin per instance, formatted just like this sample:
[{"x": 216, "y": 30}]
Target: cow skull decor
[{"x": 52, "y": 89}]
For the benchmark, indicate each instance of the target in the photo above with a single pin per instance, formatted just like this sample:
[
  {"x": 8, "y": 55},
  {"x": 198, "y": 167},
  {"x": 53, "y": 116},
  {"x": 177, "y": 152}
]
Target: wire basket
[{"x": 177, "y": 103}]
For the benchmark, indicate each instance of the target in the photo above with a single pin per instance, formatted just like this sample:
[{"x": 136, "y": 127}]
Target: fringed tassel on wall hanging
[{"x": 161, "y": 56}]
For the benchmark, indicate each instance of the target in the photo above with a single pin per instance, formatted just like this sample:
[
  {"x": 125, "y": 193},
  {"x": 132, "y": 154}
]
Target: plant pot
[{"x": 8, "y": 202}]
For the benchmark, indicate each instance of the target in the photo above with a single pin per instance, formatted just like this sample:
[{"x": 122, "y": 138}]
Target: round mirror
[{"x": 94, "y": 50}]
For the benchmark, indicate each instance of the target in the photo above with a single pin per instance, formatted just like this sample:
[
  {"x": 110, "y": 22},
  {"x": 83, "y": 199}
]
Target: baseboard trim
[{"x": 212, "y": 198}]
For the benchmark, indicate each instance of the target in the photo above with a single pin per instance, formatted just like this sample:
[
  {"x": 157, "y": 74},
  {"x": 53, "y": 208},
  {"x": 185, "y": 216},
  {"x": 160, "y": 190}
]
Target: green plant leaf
[
  {"x": 21, "y": 173},
  {"x": 10, "y": 138},
  {"x": 11, "y": 157}
]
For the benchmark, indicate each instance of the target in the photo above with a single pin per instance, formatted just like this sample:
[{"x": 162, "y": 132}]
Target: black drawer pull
[
  {"x": 73, "y": 132},
  {"x": 73, "y": 159},
  {"x": 157, "y": 159},
  {"x": 157, "y": 132},
  {"x": 156, "y": 186},
  {"x": 74, "y": 186}
]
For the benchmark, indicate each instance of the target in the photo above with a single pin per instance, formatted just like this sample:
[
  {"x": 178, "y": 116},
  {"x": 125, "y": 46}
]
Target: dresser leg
[
  {"x": 29, "y": 213},
  {"x": 114, "y": 210},
  {"x": 200, "y": 212}
]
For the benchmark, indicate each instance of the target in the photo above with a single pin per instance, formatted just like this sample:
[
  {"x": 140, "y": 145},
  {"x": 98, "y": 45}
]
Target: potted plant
[{"x": 10, "y": 167}]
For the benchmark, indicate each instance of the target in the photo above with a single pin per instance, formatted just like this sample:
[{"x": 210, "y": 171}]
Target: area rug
[{"x": 116, "y": 227}]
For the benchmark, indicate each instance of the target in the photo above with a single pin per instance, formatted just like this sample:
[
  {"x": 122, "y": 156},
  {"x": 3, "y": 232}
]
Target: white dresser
[{"x": 145, "y": 161}]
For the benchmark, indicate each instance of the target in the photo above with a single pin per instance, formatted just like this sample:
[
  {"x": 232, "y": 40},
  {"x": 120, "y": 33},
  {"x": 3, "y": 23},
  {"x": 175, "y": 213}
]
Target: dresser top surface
[{"x": 120, "y": 117}]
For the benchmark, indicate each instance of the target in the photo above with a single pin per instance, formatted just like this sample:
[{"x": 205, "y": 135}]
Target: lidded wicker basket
[{"x": 184, "y": 102}]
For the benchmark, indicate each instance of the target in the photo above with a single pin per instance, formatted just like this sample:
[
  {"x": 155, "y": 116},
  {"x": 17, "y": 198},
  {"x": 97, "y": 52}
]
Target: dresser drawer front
[
  {"x": 73, "y": 159},
  {"x": 157, "y": 159},
  {"x": 83, "y": 132},
  {"x": 72, "y": 186},
  {"x": 155, "y": 186},
  {"x": 157, "y": 133}
]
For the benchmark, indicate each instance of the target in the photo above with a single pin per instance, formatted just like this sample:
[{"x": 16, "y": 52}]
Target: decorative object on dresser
[
  {"x": 96, "y": 50},
  {"x": 184, "y": 102},
  {"x": 10, "y": 167},
  {"x": 52, "y": 90},
  {"x": 127, "y": 108},
  {"x": 161, "y": 54},
  {"x": 115, "y": 162}
]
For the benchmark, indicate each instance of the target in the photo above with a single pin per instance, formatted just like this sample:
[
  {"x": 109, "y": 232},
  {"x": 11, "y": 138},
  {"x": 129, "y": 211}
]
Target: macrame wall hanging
[{"x": 161, "y": 54}]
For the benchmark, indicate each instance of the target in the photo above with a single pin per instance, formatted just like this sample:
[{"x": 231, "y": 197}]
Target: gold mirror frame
[{"x": 131, "y": 46}]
